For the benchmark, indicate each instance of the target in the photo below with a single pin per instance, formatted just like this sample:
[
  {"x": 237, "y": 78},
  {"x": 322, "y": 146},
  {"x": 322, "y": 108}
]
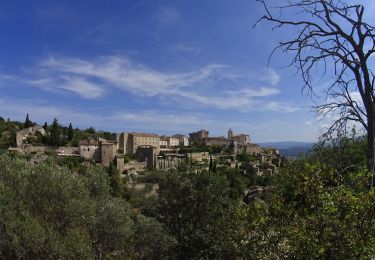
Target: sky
[{"x": 160, "y": 66}]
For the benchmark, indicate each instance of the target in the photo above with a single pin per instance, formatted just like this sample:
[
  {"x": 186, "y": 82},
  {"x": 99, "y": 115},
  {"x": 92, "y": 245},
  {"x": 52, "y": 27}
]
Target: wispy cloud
[
  {"x": 214, "y": 85},
  {"x": 185, "y": 48},
  {"x": 271, "y": 76},
  {"x": 113, "y": 121},
  {"x": 169, "y": 15}
]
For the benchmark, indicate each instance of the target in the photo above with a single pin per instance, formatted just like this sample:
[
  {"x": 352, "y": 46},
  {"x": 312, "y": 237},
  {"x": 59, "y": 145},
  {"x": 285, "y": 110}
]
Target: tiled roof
[
  {"x": 144, "y": 135},
  {"x": 88, "y": 142}
]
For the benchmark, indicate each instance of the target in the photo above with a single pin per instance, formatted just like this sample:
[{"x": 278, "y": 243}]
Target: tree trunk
[{"x": 371, "y": 143}]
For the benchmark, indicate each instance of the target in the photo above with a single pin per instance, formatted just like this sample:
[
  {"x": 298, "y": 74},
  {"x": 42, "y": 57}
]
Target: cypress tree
[
  {"x": 27, "y": 123},
  {"x": 55, "y": 133},
  {"x": 45, "y": 126},
  {"x": 210, "y": 166},
  {"x": 70, "y": 132}
]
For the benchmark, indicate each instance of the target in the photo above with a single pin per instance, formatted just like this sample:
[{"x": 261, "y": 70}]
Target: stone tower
[{"x": 230, "y": 134}]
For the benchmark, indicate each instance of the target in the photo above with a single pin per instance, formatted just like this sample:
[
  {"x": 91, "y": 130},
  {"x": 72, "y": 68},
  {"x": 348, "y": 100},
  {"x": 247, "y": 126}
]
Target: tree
[
  {"x": 311, "y": 211},
  {"x": 149, "y": 229},
  {"x": 116, "y": 182},
  {"x": 90, "y": 130},
  {"x": 55, "y": 133},
  {"x": 210, "y": 166},
  {"x": 27, "y": 123},
  {"x": 70, "y": 132},
  {"x": 333, "y": 37},
  {"x": 45, "y": 126},
  {"x": 49, "y": 212},
  {"x": 198, "y": 211}
]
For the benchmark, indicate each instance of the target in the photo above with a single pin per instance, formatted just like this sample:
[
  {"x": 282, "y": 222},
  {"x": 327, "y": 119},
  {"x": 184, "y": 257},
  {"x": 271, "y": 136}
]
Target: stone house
[
  {"x": 129, "y": 142},
  {"x": 90, "y": 150},
  {"x": 252, "y": 149},
  {"x": 22, "y": 135}
]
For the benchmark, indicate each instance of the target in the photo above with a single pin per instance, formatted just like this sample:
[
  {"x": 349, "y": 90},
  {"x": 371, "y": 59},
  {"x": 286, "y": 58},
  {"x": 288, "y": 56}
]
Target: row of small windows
[{"x": 88, "y": 149}]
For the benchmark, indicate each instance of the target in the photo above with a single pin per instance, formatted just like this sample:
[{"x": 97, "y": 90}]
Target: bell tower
[{"x": 230, "y": 134}]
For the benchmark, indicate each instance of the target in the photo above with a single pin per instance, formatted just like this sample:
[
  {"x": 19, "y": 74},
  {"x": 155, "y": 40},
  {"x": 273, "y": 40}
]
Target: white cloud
[
  {"x": 272, "y": 76},
  {"x": 215, "y": 85},
  {"x": 280, "y": 106},
  {"x": 144, "y": 119},
  {"x": 356, "y": 97},
  {"x": 79, "y": 85},
  {"x": 185, "y": 48}
]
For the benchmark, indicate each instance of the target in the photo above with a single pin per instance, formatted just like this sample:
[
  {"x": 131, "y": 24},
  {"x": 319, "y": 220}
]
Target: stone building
[
  {"x": 169, "y": 142},
  {"x": 197, "y": 137},
  {"x": 22, "y": 135},
  {"x": 148, "y": 154},
  {"x": 129, "y": 142},
  {"x": 183, "y": 140},
  {"x": 163, "y": 144},
  {"x": 252, "y": 149},
  {"x": 173, "y": 142},
  {"x": 220, "y": 140},
  {"x": 107, "y": 151},
  {"x": 199, "y": 156},
  {"x": 102, "y": 151},
  {"x": 89, "y": 150},
  {"x": 241, "y": 139}
]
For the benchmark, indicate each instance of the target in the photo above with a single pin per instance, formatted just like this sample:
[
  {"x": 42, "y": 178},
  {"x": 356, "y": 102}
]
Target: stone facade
[
  {"x": 183, "y": 140},
  {"x": 98, "y": 151},
  {"x": 221, "y": 140},
  {"x": 168, "y": 142},
  {"x": 30, "y": 131},
  {"x": 148, "y": 154},
  {"x": 170, "y": 161},
  {"x": 108, "y": 152},
  {"x": 240, "y": 139},
  {"x": 198, "y": 157},
  {"x": 197, "y": 137},
  {"x": 163, "y": 144},
  {"x": 129, "y": 142},
  {"x": 252, "y": 149},
  {"x": 90, "y": 150}
]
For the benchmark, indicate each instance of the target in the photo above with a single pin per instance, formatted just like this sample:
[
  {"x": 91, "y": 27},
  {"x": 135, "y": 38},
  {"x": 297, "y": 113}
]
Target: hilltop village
[{"x": 132, "y": 152}]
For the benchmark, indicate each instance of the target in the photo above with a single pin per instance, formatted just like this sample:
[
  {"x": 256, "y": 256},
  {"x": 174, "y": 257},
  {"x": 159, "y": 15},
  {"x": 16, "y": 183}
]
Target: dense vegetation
[
  {"x": 48, "y": 212},
  {"x": 8, "y": 130}
]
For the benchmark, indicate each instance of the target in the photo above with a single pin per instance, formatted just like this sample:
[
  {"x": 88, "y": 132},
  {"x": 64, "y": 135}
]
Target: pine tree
[
  {"x": 27, "y": 123},
  {"x": 70, "y": 133}
]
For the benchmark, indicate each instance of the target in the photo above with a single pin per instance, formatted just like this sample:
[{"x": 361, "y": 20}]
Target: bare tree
[{"x": 332, "y": 37}]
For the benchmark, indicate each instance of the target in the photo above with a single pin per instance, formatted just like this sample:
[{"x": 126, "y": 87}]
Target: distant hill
[
  {"x": 286, "y": 144},
  {"x": 290, "y": 148}
]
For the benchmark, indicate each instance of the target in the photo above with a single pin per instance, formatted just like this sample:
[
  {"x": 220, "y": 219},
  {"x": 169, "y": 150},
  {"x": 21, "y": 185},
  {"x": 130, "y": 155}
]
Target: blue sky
[{"x": 163, "y": 66}]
